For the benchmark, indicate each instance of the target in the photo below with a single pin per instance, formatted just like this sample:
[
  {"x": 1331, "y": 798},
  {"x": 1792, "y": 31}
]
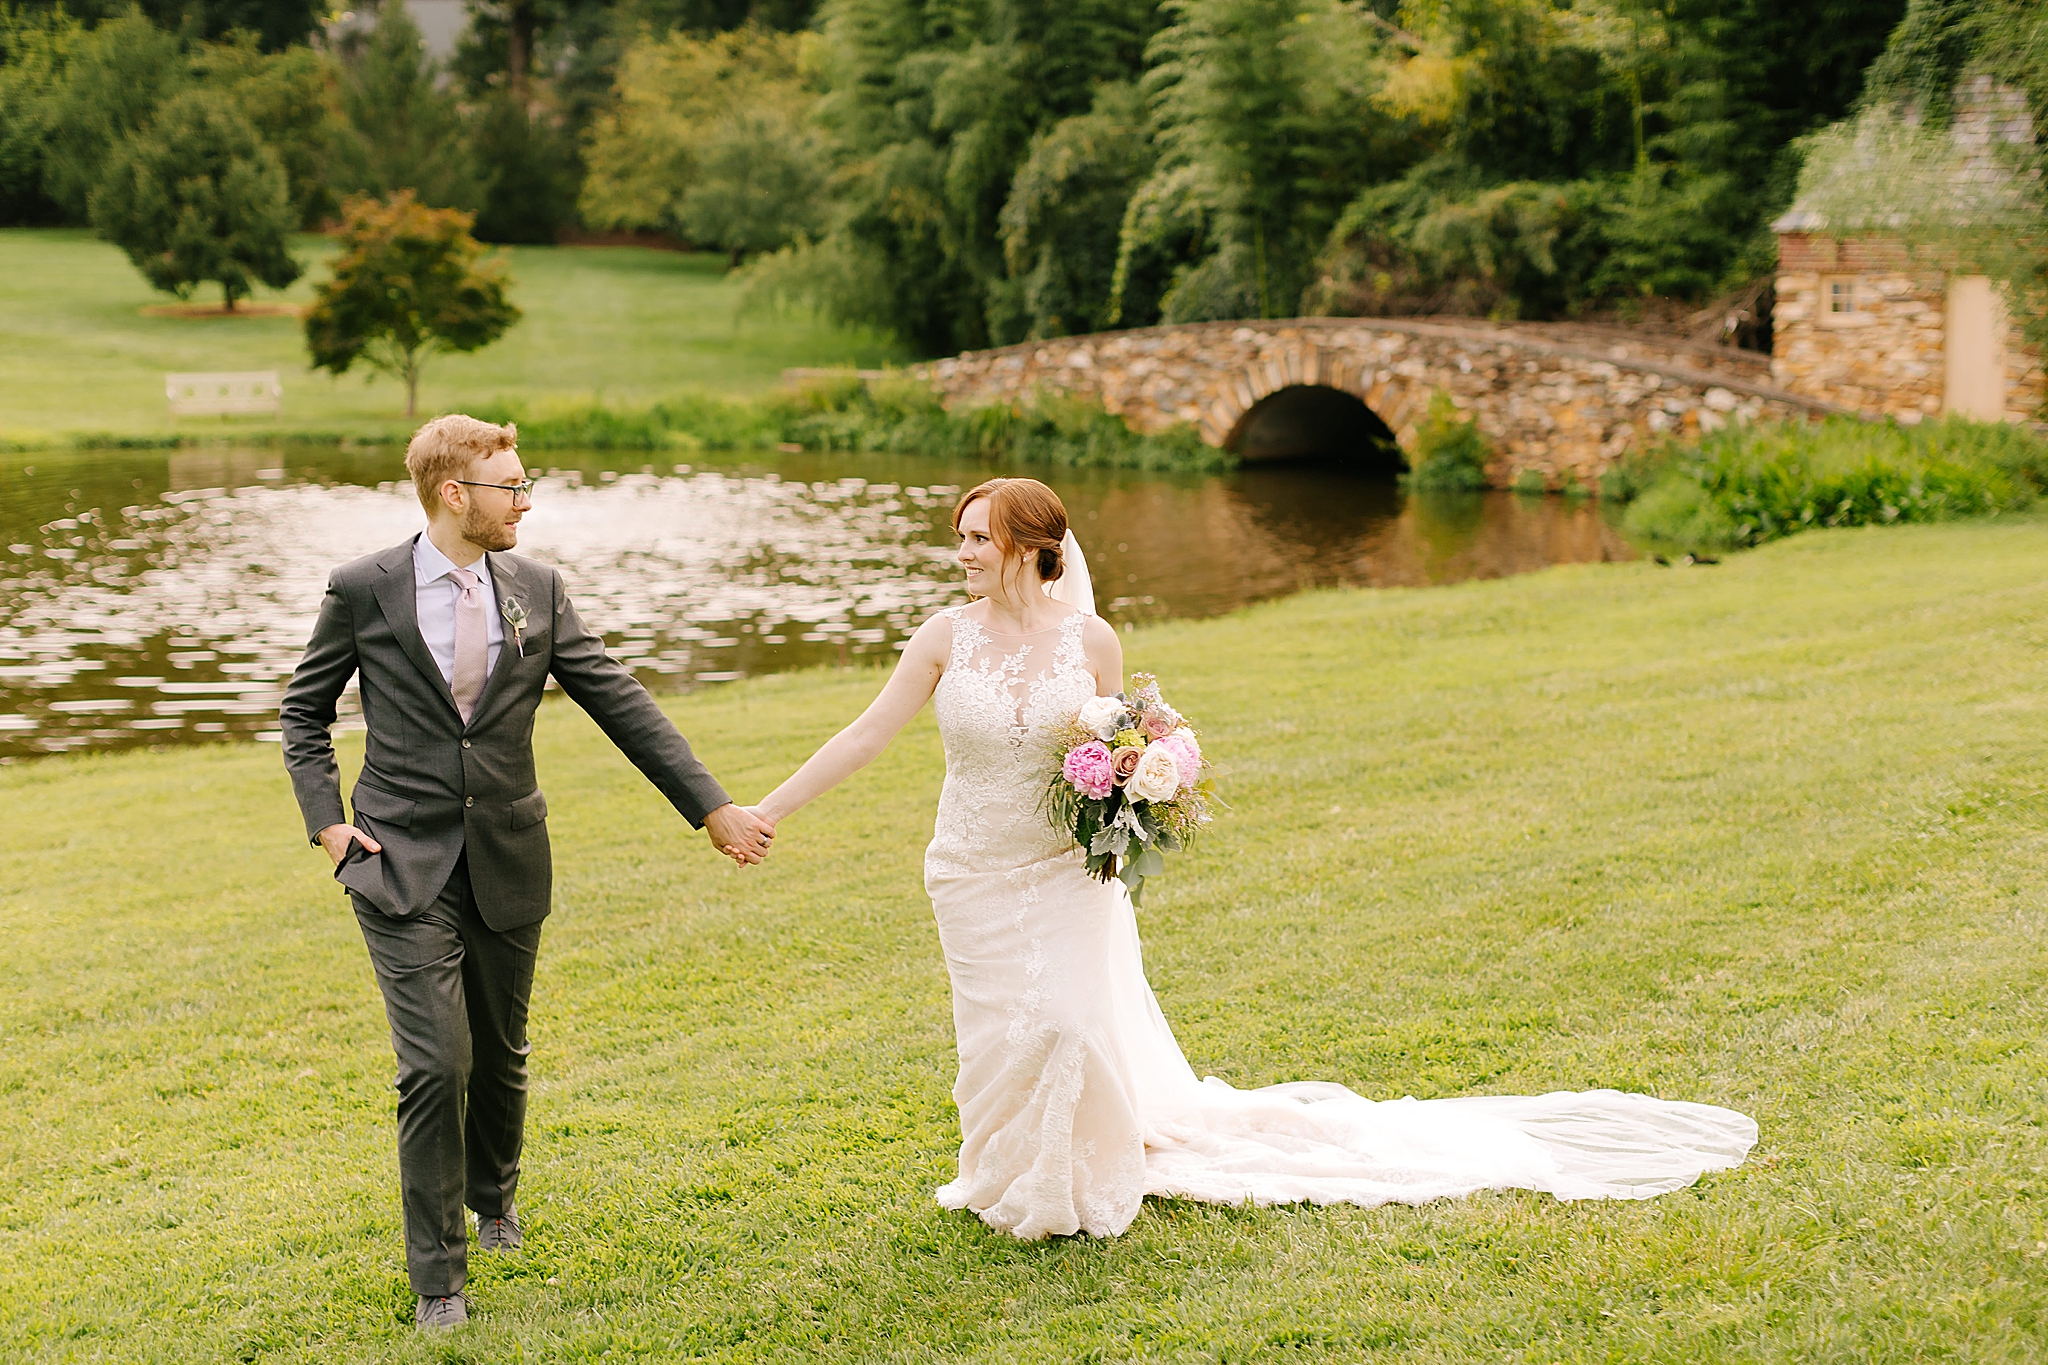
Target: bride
[{"x": 1075, "y": 1101}]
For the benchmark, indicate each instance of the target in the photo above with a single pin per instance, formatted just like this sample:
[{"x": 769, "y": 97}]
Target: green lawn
[
  {"x": 1768, "y": 834},
  {"x": 624, "y": 324}
]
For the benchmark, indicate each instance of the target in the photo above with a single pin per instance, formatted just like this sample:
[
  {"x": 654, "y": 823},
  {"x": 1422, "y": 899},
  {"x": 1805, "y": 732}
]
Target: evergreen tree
[
  {"x": 527, "y": 169},
  {"x": 199, "y": 197},
  {"x": 404, "y": 131}
]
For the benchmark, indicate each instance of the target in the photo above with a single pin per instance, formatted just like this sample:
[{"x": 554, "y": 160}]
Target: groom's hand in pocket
[
  {"x": 336, "y": 839},
  {"x": 739, "y": 834}
]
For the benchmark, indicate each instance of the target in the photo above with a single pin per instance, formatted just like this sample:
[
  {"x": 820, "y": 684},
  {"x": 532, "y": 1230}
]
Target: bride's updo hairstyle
[{"x": 1024, "y": 516}]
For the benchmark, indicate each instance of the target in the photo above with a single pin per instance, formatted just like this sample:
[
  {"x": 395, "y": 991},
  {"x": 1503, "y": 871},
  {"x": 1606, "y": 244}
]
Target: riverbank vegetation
[
  {"x": 1744, "y": 485},
  {"x": 1761, "y": 834},
  {"x": 900, "y": 416}
]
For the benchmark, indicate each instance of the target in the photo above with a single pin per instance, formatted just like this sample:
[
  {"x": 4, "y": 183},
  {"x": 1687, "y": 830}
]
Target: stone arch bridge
[{"x": 1565, "y": 401}]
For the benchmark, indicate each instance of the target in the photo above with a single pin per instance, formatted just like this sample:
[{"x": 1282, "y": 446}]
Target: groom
[{"x": 446, "y": 861}]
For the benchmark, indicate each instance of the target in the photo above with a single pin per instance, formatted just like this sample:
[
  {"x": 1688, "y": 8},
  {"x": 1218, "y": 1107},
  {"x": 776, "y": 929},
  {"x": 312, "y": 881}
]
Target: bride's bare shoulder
[
  {"x": 1105, "y": 651},
  {"x": 933, "y": 637},
  {"x": 1097, "y": 633}
]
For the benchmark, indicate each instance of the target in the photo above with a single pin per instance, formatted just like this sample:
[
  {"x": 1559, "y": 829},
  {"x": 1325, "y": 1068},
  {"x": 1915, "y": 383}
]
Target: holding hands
[{"x": 740, "y": 833}]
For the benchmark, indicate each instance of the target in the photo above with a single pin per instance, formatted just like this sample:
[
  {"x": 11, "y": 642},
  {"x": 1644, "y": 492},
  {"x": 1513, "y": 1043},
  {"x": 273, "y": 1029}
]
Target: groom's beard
[{"x": 493, "y": 533}]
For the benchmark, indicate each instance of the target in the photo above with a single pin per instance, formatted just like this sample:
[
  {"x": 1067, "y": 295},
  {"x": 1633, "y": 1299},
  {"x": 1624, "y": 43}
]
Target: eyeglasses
[{"x": 521, "y": 491}]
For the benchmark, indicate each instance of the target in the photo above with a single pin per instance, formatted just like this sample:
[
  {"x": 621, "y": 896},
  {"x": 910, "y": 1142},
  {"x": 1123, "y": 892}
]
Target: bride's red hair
[{"x": 1023, "y": 516}]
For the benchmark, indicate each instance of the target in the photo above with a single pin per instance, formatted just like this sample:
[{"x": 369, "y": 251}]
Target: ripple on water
[{"x": 127, "y": 619}]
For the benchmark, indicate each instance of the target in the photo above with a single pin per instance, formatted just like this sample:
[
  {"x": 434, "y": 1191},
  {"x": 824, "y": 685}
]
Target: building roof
[{"x": 1884, "y": 170}]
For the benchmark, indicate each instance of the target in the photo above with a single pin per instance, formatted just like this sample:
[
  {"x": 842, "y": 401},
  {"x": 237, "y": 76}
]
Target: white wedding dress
[{"x": 1075, "y": 1101}]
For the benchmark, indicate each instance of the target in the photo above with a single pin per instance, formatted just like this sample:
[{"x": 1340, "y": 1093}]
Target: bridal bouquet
[{"x": 1131, "y": 784}]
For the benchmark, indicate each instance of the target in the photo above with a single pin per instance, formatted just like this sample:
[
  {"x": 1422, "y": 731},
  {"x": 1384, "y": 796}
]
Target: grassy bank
[
  {"x": 629, "y": 325},
  {"x": 1766, "y": 834}
]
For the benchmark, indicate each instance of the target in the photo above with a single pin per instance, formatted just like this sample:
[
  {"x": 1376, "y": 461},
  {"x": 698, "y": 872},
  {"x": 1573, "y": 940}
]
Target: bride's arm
[
  {"x": 1105, "y": 656},
  {"x": 853, "y": 748}
]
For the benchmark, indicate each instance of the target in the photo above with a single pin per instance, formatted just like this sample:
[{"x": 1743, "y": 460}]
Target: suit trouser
[{"x": 455, "y": 991}]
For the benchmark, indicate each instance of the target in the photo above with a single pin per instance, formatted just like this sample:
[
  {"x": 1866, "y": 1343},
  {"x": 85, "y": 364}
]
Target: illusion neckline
[{"x": 1061, "y": 624}]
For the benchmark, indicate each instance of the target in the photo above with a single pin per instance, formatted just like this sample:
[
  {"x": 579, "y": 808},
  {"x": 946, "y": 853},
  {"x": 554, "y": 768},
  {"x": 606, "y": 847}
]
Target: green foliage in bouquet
[{"x": 1123, "y": 835}]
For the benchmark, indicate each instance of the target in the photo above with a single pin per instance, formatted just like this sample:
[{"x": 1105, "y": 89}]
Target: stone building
[{"x": 1869, "y": 322}]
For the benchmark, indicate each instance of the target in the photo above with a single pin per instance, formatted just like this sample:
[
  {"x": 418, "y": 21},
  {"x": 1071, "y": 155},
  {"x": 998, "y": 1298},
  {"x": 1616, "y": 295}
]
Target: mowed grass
[
  {"x": 1768, "y": 834},
  {"x": 624, "y": 325}
]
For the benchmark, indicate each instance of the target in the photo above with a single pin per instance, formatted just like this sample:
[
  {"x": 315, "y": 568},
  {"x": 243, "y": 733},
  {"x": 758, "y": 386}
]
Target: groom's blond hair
[{"x": 447, "y": 447}]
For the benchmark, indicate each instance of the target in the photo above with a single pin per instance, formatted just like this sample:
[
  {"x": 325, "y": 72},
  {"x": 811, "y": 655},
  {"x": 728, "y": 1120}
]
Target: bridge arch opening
[{"x": 1316, "y": 422}]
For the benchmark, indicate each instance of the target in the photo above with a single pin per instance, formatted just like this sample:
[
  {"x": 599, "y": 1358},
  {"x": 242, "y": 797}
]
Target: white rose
[
  {"x": 1099, "y": 715},
  {"x": 1157, "y": 777}
]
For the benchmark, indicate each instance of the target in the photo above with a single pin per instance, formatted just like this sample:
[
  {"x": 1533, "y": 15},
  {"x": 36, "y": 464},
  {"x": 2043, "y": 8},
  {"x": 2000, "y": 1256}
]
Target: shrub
[
  {"x": 1632, "y": 473},
  {"x": 1745, "y": 485},
  {"x": 1531, "y": 481},
  {"x": 1450, "y": 452}
]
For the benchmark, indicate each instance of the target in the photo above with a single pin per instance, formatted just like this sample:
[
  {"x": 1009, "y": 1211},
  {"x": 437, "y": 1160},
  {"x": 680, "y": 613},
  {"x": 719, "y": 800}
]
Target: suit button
[
  {"x": 465, "y": 744},
  {"x": 469, "y": 800}
]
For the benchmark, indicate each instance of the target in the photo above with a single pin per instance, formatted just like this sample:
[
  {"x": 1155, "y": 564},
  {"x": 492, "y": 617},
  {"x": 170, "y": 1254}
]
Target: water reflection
[{"x": 146, "y": 598}]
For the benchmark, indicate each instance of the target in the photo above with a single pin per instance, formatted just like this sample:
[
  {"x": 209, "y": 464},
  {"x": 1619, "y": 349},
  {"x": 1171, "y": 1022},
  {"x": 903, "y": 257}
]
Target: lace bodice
[{"x": 997, "y": 704}]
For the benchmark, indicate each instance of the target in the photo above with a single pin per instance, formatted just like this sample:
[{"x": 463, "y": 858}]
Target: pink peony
[
  {"x": 1186, "y": 753},
  {"x": 1161, "y": 720},
  {"x": 1090, "y": 769}
]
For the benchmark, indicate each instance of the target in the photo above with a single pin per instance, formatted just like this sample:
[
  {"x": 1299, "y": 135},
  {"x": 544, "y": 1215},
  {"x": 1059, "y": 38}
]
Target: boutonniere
[{"x": 515, "y": 617}]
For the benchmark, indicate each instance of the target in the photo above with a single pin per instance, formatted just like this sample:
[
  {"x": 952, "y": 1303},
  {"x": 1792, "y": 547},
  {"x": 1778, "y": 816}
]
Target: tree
[
  {"x": 1060, "y": 221},
  {"x": 527, "y": 166},
  {"x": 932, "y": 107},
  {"x": 1266, "y": 126},
  {"x": 276, "y": 24},
  {"x": 34, "y": 48},
  {"x": 405, "y": 132},
  {"x": 115, "y": 77},
  {"x": 410, "y": 282},
  {"x": 199, "y": 197},
  {"x": 69, "y": 96},
  {"x": 287, "y": 96},
  {"x": 711, "y": 140}
]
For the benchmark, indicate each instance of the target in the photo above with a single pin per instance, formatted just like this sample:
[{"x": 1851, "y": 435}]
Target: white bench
[{"x": 219, "y": 395}]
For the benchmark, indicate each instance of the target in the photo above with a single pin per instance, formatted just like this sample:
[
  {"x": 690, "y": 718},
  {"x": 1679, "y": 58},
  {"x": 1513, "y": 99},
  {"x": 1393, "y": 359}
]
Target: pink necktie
[{"x": 471, "y": 641}]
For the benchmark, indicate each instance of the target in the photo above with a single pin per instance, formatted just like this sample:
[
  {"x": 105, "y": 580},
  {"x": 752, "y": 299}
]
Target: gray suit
[{"x": 451, "y": 907}]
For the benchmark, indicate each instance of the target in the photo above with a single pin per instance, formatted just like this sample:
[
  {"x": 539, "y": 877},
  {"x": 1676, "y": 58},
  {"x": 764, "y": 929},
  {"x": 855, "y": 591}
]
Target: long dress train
[{"x": 1076, "y": 1102}]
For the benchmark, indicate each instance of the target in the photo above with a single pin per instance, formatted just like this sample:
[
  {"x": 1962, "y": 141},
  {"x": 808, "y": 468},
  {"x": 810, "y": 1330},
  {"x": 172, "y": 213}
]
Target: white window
[{"x": 1841, "y": 297}]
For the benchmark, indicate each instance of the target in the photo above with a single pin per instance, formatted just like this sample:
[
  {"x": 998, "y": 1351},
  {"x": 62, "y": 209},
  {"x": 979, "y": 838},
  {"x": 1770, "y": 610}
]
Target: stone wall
[
  {"x": 1887, "y": 356},
  {"x": 1566, "y": 407}
]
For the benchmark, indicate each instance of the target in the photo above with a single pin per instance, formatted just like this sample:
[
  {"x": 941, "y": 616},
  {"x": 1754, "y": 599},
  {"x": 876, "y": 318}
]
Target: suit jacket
[{"x": 431, "y": 786}]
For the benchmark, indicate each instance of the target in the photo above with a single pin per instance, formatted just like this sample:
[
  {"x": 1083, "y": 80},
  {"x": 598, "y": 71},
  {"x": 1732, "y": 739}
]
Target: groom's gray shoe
[
  {"x": 437, "y": 1312},
  {"x": 500, "y": 1233}
]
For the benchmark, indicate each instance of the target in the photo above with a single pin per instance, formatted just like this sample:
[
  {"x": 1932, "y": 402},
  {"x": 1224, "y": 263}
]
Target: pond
[{"x": 153, "y": 597}]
